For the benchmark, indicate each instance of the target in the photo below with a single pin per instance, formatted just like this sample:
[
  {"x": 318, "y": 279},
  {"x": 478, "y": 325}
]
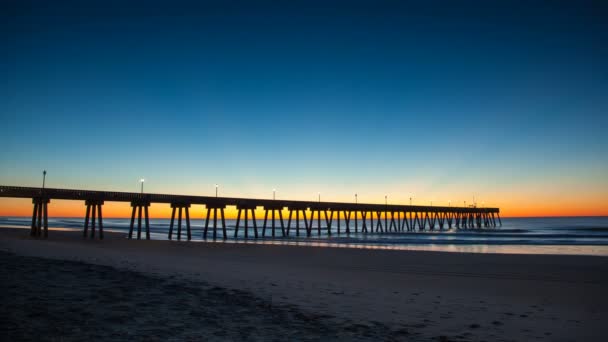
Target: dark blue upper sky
[{"x": 408, "y": 95}]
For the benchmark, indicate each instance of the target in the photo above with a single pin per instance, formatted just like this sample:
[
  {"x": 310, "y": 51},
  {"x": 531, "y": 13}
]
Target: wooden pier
[{"x": 357, "y": 217}]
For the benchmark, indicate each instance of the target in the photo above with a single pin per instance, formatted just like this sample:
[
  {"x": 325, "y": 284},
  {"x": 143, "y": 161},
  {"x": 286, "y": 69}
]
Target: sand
[{"x": 144, "y": 290}]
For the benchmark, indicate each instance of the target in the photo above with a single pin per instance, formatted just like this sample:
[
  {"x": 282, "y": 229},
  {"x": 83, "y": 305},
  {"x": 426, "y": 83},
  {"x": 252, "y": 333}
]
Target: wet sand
[
  {"x": 49, "y": 299},
  {"x": 123, "y": 290}
]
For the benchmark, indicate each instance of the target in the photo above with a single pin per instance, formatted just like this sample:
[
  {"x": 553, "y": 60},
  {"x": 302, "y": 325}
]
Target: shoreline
[
  {"x": 466, "y": 295},
  {"x": 597, "y": 250}
]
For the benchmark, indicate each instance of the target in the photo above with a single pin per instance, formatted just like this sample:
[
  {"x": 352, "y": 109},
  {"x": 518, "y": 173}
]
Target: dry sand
[{"x": 186, "y": 291}]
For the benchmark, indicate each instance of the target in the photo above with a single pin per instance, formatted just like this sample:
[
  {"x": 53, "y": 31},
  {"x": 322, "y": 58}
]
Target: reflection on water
[{"x": 583, "y": 236}]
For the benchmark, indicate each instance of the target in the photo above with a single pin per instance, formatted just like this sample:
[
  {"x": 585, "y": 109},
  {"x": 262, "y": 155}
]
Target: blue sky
[{"x": 440, "y": 99}]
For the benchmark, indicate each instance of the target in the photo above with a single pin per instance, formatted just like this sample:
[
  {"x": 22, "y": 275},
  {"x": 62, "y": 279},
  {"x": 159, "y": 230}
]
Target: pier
[{"x": 345, "y": 217}]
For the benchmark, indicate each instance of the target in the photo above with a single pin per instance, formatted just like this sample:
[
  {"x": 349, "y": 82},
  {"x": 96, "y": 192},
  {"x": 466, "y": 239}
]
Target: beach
[{"x": 121, "y": 289}]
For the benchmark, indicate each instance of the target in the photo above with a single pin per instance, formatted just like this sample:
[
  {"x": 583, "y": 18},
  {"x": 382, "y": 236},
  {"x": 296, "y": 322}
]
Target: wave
[
  {"x": 594, "y": 229},
  {"x": 539, "y": 242},
  {"x": 566, "y": 232}
]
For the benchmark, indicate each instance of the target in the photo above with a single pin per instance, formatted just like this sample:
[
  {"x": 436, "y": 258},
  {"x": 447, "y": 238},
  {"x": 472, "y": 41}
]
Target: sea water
[{"x": 551, "y": 235}]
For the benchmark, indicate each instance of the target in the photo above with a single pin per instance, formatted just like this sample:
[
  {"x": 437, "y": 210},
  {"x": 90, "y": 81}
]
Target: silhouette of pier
[{"x": 357, "y": 217}]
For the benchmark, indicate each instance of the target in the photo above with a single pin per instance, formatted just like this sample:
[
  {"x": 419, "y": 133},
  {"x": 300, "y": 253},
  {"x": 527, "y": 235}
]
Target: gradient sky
[{"x": 504, "y": 101}]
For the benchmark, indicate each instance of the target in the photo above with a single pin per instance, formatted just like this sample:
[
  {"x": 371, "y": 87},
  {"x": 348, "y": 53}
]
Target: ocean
[{"x": 550, "y": 235}]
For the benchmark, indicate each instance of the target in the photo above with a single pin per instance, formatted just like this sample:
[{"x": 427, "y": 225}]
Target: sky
[{"x": 502, "y": 101}]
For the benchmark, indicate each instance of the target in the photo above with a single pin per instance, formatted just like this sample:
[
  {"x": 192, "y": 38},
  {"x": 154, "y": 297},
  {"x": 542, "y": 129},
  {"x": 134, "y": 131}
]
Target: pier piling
[
  {"x": 138, "y": 206},
  {"x": 93, "y": 207}
]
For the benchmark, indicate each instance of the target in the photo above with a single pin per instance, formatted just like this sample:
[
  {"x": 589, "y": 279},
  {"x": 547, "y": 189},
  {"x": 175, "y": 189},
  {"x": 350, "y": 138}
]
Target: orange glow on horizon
[{"x": 66, "y": 208}]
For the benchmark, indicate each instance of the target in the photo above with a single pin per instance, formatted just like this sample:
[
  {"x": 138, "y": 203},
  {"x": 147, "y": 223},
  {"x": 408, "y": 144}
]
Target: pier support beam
[
  {"x": 379, "y": 227},
  {"x": 394, "y": 226},
  {"x": 432, "y": 220},
  {"x": 312, "y": 216},
  {"x": 297, "y": 211},
  {"x": 180, "y": 207},
  {"x": 212, "y": 209},
  {"x": 450, "y": 216},
  {"x": 386, "y": 220},
  {"x": 140, "y": 205},
  {"x": 416, "y": 220},
  {"x": 347, "y": 214},
  {"x": 273, "y": 209},
  {"x": 40, "y": 217},
  {"x": 404, "y": 223},
  {"x": 412, "y": 226},
  {"x": 363, "y": 219},
  {"x": 318, "y": 209},
  {"x": 440, "y": 219},
  {"x": 93, "y": 207},
  {"x": 425, "y": 220},
  {"x": 328, "y": 222},
  {"x": 247, "y": 209},
  {"x": 338, "y": 221}
]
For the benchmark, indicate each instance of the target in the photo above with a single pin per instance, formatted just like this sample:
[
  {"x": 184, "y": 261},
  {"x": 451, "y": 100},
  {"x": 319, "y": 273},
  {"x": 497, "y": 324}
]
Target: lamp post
[
  {"x": 356, "y": 200},
  {"x": 385, "y": 212},
  {"x": 216, "y": 186},
  {"x": 411, "y": 199},
  {"x": 319, "y": 197},
  {"x": 274, "y": 191},
  {"x": 43, "y": 178},
  {"x": 465, "y": 204},
  {"x": 431, "y": 203},
  {"x": 142, "y": 185},
  {"x": 450, "y": 203}
]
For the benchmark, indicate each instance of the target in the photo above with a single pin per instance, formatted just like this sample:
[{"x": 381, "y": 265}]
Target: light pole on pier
[
  {"x": 385, "y": 212},
  {"x": 411, "y": 199},
  {"x": 449, "y": 203},
  {"x": 356, "y": 200},
  {"x": 216, "y": 186},
  {"x": 274, "y": 191},
  {"x": 142, "y": 185},
  {"x": 319, "y": 197},
  {"x": 465, "y": 204},
  {"x": 43, "y": 178},
  {"x": 431, "y": 203}
]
